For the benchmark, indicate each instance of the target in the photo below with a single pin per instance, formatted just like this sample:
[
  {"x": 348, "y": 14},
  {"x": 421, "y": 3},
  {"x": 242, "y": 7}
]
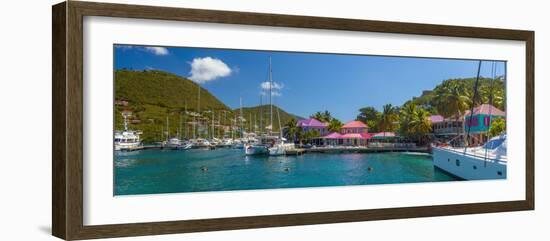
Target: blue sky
[{"x": 308, "y": 82}]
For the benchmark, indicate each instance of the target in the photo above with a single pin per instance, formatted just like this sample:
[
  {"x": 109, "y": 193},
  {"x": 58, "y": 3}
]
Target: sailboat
[
  {"x": 259, "y": 146},
  {"x": 281, "y": 146},
  {"x": 488, "y": 161}
]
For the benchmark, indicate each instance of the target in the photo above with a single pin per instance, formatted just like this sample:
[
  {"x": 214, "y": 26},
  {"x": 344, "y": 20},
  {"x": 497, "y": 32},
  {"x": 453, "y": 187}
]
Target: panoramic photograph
[{"x": 190, "y": 119}]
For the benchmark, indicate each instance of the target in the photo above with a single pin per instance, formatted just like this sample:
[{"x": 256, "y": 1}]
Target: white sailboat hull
[
  {"x": 468, "y": 166},
  {"x": 280, "y": 149},
  {"x": 250, "y": 150}
]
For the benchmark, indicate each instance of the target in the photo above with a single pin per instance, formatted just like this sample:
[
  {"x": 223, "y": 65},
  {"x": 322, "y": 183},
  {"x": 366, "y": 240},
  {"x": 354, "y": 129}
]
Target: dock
[
  {"x": 142, "y": 147},
  {"x": 295, "y": 152},
  {"x": 366, "y": 149},
  {"x": 328, "y": 150}
]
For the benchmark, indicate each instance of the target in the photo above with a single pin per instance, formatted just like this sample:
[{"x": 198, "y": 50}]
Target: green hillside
[
  {"x": 260, "y": 115},
  {"x": 163, "y": 89},
  {"x": 487, "y": 87},
  {"x": 157, "y": 98}
]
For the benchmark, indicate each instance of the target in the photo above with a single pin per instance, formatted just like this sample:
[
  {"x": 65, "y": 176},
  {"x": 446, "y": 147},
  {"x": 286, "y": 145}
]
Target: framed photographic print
[{"x": 170, "y": 120}]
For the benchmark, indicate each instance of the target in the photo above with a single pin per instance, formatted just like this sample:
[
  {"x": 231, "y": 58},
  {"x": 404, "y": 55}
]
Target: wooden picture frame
[{"x": 67, "y": 124}]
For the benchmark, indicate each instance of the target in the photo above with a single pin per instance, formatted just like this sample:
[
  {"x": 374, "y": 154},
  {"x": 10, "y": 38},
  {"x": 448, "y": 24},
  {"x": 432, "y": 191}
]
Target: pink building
[
  {"x": 354, "y": 127},
  {"x": 354, "y": 133},
  {"x": 313, "y": 124}
]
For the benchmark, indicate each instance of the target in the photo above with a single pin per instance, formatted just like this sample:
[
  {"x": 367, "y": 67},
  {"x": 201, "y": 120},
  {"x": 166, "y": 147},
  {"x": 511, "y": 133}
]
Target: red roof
[
  {"x": 355, "y": 124},
  {"x": 311, "y": 122},
  {"x": 367, "y": 135},
  {"x": 333, "y": 135},
  {"x": 486, "y": 109},
  {"x": 436, "y": 118}
]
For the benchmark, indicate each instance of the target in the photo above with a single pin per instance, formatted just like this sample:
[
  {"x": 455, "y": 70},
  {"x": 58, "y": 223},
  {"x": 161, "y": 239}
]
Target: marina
[{"x": 173, "y": 134}]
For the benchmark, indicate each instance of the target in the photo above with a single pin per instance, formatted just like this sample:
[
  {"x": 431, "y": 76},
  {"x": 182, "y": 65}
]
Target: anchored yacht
[
  {"x": 484, "y": 162},
  {"x": 127, "y": 140}
]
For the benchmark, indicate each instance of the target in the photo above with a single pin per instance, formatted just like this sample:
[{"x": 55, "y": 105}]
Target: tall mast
[
  {"x": 125, "y": 121},
  {"x": 270, "y": 96},
  {"x": 225, "y": 122},
  {"x": 199, "y": 108},
  {"x": 261, "y": 111},
  {"x": 186, "y": 124},
  {"x": 494, "y": 75},
  {"x": 167, "y": 129},
  {"x": 467, "y": 136},
  {"x": 241, "y": 114},
  {"x": 194, "y": 132},
  {"x": 235, "y": 122},
  {"x": 212, "y": 134},
  {"x": 279, "y": 120},
  {"x": 180, "y": 131},
  {"x": 199, "y": 99}
]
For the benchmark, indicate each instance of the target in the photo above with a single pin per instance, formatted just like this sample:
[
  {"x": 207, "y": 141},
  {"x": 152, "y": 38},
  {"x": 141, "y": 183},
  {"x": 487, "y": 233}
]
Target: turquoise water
[{"x": 165, "y": 171}]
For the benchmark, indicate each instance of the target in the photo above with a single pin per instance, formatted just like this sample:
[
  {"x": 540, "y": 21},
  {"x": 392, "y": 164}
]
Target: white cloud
[
  {"x": 157, "y": 50},
  {"x": 208, "y": 69},
  {"x": 153, "y": 50},
  {"x": 275, "y": 88}
]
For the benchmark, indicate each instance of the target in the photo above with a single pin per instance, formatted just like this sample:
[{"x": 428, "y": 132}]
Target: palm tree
[
  {"x": 334, "y": 125},
  {"x": 291, "y": 129},
  {"x": 421, "y": 124},
  {"x": 322, "y": 116},
  {"x": 497, "y": 127},
  {"x": 407, "y": 114},
  {"x": 452, "y": 100},
  {"x": 493, "y": 93},
  {"x": 388, "y": 119},
  {"x": 370, "y": 116},
  {"x": 312, "y": 134},
  {"x": 415, "y": 122}
]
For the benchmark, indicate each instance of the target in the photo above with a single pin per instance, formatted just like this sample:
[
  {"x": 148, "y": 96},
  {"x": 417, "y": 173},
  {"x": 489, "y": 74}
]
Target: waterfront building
[
  {"x": 436, "y": 118},
  {"x": 478, "y": 123},
  {"x": 354, "y": 127},
  {"x": 332, "y": 139},
  {"x": 480, "y": 120},
  {"x": 313, "y": 124},
  {"x": 355, "y": 133},
  {"x": 349, "y": 139},
  {"x": 445, "y": 127}
]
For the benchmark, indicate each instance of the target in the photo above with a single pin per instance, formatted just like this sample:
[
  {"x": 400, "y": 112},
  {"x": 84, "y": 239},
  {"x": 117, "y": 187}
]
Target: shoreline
[{"x": 327, "y": 150}]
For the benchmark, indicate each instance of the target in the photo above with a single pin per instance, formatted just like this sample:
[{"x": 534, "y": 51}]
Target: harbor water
[{"x": 154, "y": 171}]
